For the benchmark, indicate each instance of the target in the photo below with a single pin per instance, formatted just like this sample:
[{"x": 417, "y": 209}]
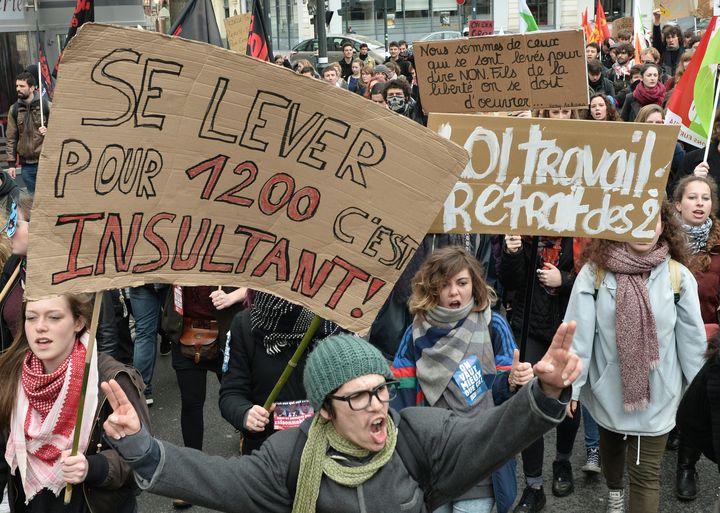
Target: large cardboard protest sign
[
  {"x": 237, "y": 29},
  {"x": 502, "y": 73},
  {"x": 556, "y": 177},
  {"x": 173, "y": 161}
]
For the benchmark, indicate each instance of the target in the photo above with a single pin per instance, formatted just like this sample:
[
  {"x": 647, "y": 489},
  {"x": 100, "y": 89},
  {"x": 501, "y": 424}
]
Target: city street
[
  {"x": 220, "y": 438},
  {"x": 589, "y": 496}
]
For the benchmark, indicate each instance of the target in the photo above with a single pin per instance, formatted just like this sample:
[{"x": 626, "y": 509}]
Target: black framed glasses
[{"x": 358, "y": 401}]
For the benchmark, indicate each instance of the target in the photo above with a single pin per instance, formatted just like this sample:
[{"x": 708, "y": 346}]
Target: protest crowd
[{"x": 435, "y": 407}]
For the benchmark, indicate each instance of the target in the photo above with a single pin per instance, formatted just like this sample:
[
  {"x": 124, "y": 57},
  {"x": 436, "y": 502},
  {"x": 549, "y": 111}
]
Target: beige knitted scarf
[{"x": 315, "y": 462}]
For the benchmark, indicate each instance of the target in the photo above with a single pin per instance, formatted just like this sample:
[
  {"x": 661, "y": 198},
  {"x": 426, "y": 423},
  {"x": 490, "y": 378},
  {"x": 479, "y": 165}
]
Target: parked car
[
  {"x": 438, "y": 36},
  {"x": 307, "y": 49},
  {"x": 443, "y": 34}
]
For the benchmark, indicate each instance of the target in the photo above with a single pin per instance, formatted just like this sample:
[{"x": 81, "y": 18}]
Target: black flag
[
  {"x": 258, "y": 45},
  {"x": 197, "y": 22},
  {"x": 84, "y": 12},
  {"x": 47, "y": 85}
]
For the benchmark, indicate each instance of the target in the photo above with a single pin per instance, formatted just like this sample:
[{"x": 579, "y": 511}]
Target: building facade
[
  {"x": 410, "y": 20},
  {"x": 23, "y": 21}
]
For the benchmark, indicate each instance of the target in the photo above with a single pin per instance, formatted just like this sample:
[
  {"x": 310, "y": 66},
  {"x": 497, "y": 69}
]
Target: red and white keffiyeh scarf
[{"x": 43, "y": 420}]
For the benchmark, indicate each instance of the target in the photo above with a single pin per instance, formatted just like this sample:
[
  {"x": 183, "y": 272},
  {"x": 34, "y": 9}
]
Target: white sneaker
[
  {"x": 616, "y": 501},
  {"x": 592, "y": 462}
]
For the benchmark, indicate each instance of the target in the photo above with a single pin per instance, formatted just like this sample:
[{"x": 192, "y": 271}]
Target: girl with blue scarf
[{"x": 461, "y": 356}]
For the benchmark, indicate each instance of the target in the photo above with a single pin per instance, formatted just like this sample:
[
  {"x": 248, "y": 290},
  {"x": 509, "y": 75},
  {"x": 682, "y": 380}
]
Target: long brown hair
[
  {"x": 439, "y": 267},
  {"x": 11, "y": 361},
  {"x": 700, "y": 261},
  {"x": 597, "y": 251}
]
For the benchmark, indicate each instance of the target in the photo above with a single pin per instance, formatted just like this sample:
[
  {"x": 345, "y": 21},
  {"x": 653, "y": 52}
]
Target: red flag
[
  {"x": 84, "y": 12},
  {"x": 258, "y": 45},
  {"x": 601, "y": 25},
  {"x": 586, "y": 27}
]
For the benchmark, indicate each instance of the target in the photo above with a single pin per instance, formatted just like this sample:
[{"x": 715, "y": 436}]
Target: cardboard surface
[
  {"x": 481, "y": 27},
  {"x": 503, "y": 73},
  {"x": 626, "y": 23},
  {"x": 173, "y": 161},
  {"x": 672, "y": 9},
  {"x": 557, "y": 177},
  {"x": 237, "y": 29}
]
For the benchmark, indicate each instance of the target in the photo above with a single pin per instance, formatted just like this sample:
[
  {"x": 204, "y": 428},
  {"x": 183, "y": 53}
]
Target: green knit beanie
[{"x": 337, "y": 360}]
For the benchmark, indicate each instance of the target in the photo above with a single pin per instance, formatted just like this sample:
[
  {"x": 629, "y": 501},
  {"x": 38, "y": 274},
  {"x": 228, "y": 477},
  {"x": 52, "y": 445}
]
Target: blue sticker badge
[{"x": 469, "y": 379}]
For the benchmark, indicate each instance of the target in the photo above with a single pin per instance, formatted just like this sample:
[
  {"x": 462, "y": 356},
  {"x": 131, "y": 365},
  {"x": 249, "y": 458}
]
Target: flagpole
[
  {"x": 42, "y": 119},
  {"x": 83, "y": 390},
  {"x": 712, "y": 118},
  {"x": 314, "y": 325}
]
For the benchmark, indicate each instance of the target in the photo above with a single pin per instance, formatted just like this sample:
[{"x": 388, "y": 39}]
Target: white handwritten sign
[
  {"x": 556, "y": 177},
  {"x": 12, "y": 9}
]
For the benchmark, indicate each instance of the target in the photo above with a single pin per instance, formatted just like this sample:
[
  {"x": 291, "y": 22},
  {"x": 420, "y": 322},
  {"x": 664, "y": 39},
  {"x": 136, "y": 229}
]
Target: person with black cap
[{"x": 355, "y": 453}]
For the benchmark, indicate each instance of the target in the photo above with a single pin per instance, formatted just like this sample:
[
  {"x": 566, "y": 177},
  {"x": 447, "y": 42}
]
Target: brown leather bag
[{"x": 198, "y": 340}]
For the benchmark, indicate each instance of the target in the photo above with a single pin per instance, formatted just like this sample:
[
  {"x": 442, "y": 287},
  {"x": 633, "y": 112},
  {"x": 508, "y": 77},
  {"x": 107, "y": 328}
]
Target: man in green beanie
[{"x": 356, "y": 454}]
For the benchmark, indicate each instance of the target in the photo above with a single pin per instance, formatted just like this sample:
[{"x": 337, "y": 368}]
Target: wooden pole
[
  {"x": 314, "y": 325},
  {"x": 10, "y": 282},
  {"x": 83, "y": 391}
]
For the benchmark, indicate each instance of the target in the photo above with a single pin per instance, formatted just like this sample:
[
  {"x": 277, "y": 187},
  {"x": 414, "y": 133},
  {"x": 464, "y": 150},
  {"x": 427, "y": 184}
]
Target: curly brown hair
[
  {"x": 439, "y": 267},
  {"x": 611, "y": 111},
  {"x": 700, "y": 262},
  {"x": 597, "y": 251}
]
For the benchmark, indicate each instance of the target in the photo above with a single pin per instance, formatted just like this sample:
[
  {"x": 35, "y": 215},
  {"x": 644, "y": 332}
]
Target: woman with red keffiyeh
[{"x": 41, "y": 378}]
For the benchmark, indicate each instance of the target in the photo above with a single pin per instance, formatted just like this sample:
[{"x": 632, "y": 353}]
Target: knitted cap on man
[{"x": 337, "y": 360}]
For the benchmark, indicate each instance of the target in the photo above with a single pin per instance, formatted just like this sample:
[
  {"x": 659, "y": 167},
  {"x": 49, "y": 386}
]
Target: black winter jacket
[
  {"x": 251, "y": 376},
  {"x": 547, "y": 311},
  {"x": 698, "y": 416},
  {"x": 6, "y": 337}
]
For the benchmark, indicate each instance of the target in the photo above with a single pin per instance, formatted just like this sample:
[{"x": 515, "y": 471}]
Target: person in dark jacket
[
  {"x": 262, "y": 341},
  {"x": 597, "y": 81},
  {"x": 26, "y": 128},
  {"x": 200, "y": 310},
  {"x": 40, "y": 382},
  {"x": 113, "y": 334},
  {"x": 554, "y": 275},
  {"x": 698, "y": 416},
  {"x": 398, "y": 96},
  {"x": 355, "y": 454},
  {"x": 696, "y": 201},
  {"x": 648, "y": 91},
  {"x": 669, "y": 42}
]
